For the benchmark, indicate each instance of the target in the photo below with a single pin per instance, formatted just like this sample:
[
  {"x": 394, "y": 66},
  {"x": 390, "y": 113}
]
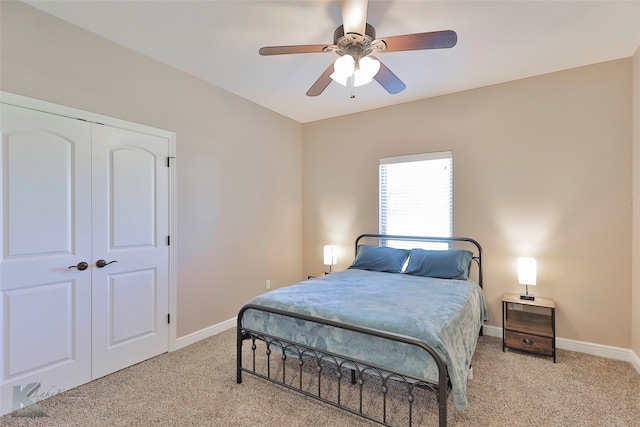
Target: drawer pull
[{"x": 527, "y": 341}]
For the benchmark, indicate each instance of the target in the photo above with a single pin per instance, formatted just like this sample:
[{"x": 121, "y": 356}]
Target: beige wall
[
  {"x": 635, "y": 307},
  {"x": 239, "y": 216},
  {"x": 542, "y": 167}
]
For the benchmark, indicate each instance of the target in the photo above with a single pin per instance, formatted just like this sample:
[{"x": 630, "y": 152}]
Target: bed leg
[
  {"x": 239, "y": 356},
  {"x": 442, "y": 406}
]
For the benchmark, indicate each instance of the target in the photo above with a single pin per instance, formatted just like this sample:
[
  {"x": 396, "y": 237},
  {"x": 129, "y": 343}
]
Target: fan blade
[
  {"x": 321, "y": 84},
  {"x": 418, "y": 41},
  {"x": 388, "y": 80},
  {"x": 354, "y": 16},
  {"x": 283, "y": 50}
]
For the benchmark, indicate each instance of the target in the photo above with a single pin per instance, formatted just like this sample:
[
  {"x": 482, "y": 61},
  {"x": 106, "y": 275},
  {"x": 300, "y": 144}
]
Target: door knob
[
  {"x": 102, "y": 263},
  {"x": 81, "y": 266}
]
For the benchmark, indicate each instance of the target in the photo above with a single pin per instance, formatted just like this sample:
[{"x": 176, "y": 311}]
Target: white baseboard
[
  {"x": 635, "y": 361},
  {"x": 491, "y": 331},
  {"x": 607, "y": 351},
  {"x": 206, "y": 332}
]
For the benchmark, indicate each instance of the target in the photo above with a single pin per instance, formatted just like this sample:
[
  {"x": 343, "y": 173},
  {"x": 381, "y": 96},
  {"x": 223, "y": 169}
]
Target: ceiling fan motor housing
[
  {"x": 354, "y": 44},
  {"x": 339, "y": 33}
]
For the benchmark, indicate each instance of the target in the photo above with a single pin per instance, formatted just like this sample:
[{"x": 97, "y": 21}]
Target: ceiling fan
[{"x": 355, "y": 41}]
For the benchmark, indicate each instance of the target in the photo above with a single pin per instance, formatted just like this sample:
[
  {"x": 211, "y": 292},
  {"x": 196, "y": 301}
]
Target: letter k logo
[{"x": 23, "y": 406}]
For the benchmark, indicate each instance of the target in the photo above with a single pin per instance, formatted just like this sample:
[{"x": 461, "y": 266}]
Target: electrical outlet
[{"x": 268, "y": 284}]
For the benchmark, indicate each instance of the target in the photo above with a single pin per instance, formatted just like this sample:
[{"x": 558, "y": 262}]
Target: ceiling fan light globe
[
  {"x": 361, "y": 80},
  {"x": 343, "y": 68},
  {"x": 361, "y": 77},
  {"x": 339, "y": 79},
  {"x": 368, "y": 68}
]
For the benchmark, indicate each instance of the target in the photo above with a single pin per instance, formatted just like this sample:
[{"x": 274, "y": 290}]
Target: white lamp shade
[
  {"x": 330, "y": 255},
  {"x": 369, "y": 67},
  {"x": 527, "y": 271},
  {"x": 343, "y": 68}
]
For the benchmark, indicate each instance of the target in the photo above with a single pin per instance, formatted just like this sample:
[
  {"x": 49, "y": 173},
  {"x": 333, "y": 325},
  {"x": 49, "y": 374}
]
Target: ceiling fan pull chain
[{"x": 352, "y": 81}]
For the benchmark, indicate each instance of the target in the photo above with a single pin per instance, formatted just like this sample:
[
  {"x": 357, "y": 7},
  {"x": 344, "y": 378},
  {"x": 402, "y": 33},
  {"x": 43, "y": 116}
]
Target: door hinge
[
  {"x": 168, "y": 240},
  {"x": 169, "y": 318},
  {"x": 169, "y": 160}
]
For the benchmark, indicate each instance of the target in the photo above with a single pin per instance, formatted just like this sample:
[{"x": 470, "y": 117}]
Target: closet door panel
[
  {"x": 45, "y": 193},
  {"x": 130, "y": 226}
]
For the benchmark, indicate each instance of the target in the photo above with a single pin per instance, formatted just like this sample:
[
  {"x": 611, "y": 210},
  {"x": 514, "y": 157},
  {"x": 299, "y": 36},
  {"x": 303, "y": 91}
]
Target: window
[{"x": 416, "y": 195}]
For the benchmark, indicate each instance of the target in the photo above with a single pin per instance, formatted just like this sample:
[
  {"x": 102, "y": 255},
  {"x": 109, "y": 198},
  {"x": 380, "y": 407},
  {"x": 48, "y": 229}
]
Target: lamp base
[{"x": 527, "y": 297}]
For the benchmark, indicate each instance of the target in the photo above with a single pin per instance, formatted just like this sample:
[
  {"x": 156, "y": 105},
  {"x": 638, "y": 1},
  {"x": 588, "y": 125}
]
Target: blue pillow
[
  {"x": 380, "y": 258},
  {"x": 447, "y": 264}
]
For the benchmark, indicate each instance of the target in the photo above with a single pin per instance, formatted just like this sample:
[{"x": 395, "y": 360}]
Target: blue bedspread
[{"x": 446, "y": 314}]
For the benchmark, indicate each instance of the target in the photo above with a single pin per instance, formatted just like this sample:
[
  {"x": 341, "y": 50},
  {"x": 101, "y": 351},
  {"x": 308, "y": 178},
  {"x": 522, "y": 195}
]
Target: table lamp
[
  {"x": 527, "y": 276},
  {"x": 330, "y": 256}
]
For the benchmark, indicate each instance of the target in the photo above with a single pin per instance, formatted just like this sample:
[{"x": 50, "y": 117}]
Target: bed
[{"x": 401, "y": 313}]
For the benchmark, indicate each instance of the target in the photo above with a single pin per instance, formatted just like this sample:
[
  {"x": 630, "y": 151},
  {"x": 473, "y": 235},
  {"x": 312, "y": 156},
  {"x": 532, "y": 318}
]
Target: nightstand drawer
[{"x": 527, "y": 342}]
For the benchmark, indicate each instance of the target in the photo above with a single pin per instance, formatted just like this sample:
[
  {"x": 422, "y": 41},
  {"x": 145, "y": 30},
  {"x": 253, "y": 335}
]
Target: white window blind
[{"x": 416, "y": 194}]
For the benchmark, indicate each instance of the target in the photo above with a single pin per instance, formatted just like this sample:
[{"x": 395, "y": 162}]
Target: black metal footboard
[{"x": 316, "y": 362}]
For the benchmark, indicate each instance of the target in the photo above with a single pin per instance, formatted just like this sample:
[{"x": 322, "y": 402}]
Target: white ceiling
[{"x": 498, "y": 41}]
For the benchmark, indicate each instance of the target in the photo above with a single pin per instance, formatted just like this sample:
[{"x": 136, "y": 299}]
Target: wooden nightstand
[
  {"x": 529, "y": 325},
  {"x": 316, "y": 275}
]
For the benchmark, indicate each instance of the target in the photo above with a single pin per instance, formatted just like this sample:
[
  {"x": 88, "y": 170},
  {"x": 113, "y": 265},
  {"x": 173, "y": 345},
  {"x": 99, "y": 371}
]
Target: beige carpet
[{"x": 196, "y": 386}]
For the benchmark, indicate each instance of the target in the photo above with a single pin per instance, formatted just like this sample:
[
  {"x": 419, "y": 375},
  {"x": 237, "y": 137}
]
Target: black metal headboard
[{"x": 477, "y": 256}]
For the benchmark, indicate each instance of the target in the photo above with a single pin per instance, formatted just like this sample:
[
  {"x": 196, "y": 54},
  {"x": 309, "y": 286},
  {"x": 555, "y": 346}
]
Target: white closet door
[
  {"x": 72, "y": 194},
  {"x": 130, "y": 229},
  {"x": 45, "y": 194}
]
